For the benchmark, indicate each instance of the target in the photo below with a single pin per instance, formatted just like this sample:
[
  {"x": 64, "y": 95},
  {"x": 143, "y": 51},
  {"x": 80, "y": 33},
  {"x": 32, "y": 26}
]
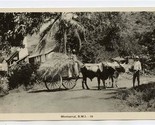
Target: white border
[
  {"x": 74, "y": 3},
  {"x": 79, "y": 123},
  {"x": 77, "y": 4}
]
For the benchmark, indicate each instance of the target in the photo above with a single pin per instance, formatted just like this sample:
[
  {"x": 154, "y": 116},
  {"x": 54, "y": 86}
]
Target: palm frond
[
  {"x": 73, "y": 25},
  {"x": 76, "y": 25},
  {"x": 53, "y": 34},
  {"x": 47, "y": 39},
  {"x": 68, "y": 18},
  {"x": 49, "y": 27}
]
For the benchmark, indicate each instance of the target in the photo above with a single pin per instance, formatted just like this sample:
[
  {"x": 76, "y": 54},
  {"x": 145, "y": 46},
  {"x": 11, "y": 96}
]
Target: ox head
[
  {"x": 120, "y": 68},
  {"x": 127, "y": 67}
]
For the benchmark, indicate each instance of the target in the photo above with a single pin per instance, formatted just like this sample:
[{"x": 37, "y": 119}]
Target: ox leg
[
  {"x": 83, "y": 82},
  {"x": 116, "y": 82},
  {"x": 103, "y": 81},
  {"x": 109, "y": 80},
  {"x": 112, "y": 80},
  {"x": 98, "y": 79},
  {"x": 116, "y": 79},
  {"x": 86, "y": 83}
]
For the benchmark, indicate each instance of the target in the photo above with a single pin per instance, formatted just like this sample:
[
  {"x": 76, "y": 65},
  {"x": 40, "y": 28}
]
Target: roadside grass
[{"x": 142, "y": 97}]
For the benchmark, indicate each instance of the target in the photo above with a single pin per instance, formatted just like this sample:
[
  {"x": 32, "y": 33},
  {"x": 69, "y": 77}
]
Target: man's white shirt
[{"x": 137, "y": 65}]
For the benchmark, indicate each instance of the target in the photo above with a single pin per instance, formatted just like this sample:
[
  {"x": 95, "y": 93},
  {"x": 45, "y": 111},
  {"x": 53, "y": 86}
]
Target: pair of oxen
[{"x": 102, "y": 71}]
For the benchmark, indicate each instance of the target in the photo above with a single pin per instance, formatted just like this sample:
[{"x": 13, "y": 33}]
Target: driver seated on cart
[{"x": 73, "y": 70}]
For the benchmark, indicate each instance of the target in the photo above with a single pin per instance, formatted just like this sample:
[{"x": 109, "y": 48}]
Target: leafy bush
[
  {"x": 20, "y": 74},
  {"x": 4, "y": 87},
  {"x": 135, "y": 99},
  {"x": 123, "y": 95},
  {"x": 141, "y": 97}
]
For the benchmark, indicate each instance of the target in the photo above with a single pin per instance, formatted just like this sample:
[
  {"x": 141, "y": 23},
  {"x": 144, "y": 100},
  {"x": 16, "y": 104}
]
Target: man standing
[
  {"x": 137, "y": 67},
  {"x": 75, "y": 67}
]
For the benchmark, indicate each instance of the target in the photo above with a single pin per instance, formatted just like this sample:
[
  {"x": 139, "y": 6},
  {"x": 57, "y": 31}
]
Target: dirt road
[{"x": 75, "y": 100}]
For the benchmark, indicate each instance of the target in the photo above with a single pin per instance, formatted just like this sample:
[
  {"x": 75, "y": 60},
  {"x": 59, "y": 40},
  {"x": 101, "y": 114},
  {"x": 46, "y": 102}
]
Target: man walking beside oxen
[{"x": 137, "y": 68}]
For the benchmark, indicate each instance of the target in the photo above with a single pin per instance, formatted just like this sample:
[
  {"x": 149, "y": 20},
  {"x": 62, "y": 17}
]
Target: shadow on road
[
  {"x": 81, "y": 97},
  {"x": 107, "y": 88},
  {"x": 94, "y": 88},
  {"x": 112, "y": 93},
  {"x": 38, "y": 91}
]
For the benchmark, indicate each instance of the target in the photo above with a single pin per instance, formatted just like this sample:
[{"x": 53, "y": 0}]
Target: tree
[
  {"x": 108, "y": 34},
  {"x": 64, "y": 33},
  {"x": 101, "y": 34}
]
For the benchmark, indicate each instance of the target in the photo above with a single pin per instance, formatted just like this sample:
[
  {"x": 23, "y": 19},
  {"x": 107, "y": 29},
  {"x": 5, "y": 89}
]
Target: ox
[
  {"x": 118, "y": 69},
  {"x": 90, "y": 71},
  {"x": 102, "y": 71}
]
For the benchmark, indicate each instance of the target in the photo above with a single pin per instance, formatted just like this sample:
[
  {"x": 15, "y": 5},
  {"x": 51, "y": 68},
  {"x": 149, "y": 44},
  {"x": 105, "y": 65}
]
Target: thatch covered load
[{"x": 58, "y": 63}]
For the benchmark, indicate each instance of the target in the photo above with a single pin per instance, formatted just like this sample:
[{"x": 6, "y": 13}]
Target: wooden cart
[{"x": 61, "y": 79}]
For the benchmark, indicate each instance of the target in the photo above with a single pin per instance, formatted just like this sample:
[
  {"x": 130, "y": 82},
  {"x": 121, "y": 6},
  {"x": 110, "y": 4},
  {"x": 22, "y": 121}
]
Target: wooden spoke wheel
[
  {"x": 69, "y": 83},
  {"x": 54, "y": 83}
]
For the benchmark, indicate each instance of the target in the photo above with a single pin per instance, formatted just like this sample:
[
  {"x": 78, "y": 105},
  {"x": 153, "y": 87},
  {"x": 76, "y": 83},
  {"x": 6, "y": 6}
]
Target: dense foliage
[
  {"x": 20, "y": 74},
  {"x": 107, "y": 34},
  {"x": 141, "y": 97},
  {"x": 111, "y": 34}
]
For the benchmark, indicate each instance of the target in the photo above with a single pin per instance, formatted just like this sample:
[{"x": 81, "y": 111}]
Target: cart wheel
[
  {"x": 54, "y": 83},
  {"x": 69, "y": 83}
]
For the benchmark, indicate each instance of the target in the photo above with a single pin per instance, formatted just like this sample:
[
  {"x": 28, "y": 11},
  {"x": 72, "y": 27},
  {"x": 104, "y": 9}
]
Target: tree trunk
[
  {"x": 79, "y": 42},
  {"x": 65, "y": 42}
]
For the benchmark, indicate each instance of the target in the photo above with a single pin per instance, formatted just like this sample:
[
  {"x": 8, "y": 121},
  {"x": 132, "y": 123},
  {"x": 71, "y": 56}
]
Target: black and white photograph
[{"x": 70, "y": 62}]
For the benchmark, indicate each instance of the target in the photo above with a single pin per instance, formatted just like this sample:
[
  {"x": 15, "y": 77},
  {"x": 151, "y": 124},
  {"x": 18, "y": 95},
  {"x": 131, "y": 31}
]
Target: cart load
[{"x": 59, "y": 69}]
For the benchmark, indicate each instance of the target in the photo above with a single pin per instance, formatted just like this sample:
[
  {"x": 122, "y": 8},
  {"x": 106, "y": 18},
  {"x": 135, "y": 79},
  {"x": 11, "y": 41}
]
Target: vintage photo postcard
[{"x": 77, "y": 64}]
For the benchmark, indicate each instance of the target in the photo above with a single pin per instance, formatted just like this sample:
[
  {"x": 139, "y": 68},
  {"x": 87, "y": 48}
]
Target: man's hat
[
  {"x": 74, "y": 50},
  {"x": 136, "y": 57}
]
